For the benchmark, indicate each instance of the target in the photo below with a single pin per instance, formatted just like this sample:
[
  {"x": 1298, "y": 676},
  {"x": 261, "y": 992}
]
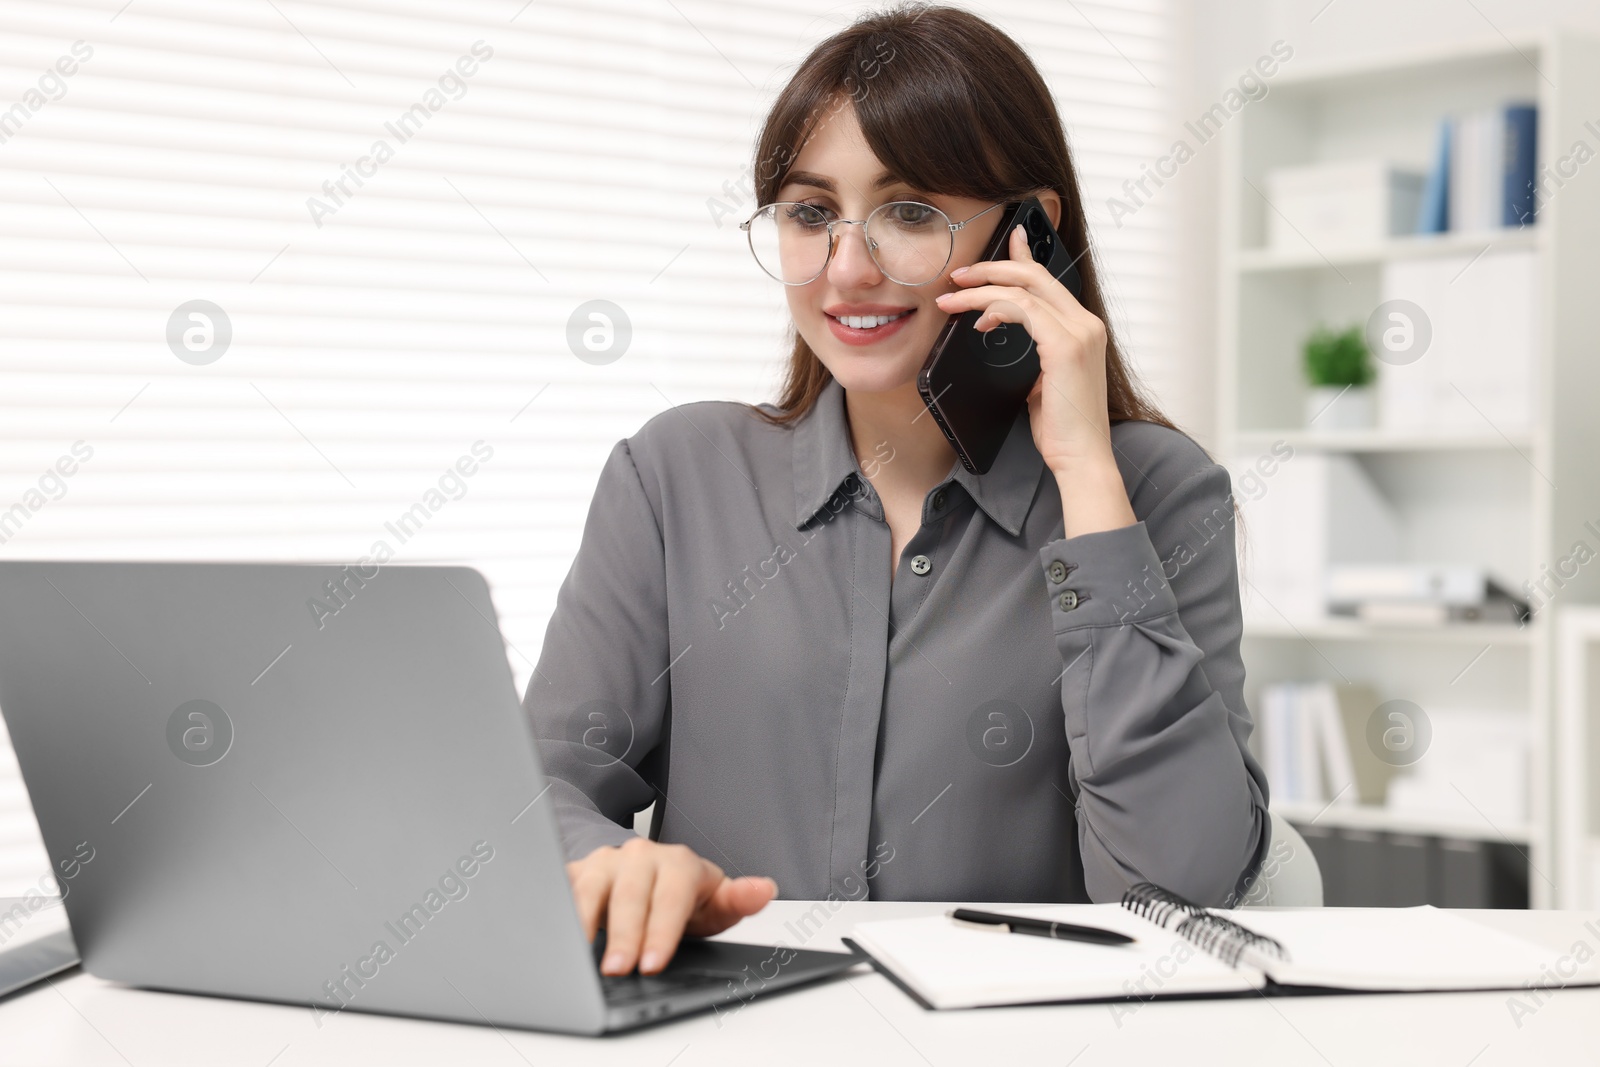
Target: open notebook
[{"x": 1181, "y": 948}]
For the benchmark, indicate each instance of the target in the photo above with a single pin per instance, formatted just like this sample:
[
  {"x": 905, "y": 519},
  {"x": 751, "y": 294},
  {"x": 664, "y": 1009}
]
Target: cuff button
[
  {"x": 1068, "y": 600},
  {"x": 1058, "y": 571}
]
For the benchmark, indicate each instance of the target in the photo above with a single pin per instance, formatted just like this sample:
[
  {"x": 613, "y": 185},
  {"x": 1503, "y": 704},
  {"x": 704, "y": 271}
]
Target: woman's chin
[{"x": 858, "y": 372}]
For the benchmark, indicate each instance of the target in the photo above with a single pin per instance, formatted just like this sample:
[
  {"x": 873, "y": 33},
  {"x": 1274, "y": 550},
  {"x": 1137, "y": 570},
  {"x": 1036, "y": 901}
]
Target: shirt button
[
  {"x": 1058, "y": 571},
  {"x": 921, "y": 565},
  {"x": 1068, "y": 600},
  {"x": 938, "y": 500}
]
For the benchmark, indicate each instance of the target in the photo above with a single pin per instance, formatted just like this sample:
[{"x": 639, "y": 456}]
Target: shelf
[
  {"x": 1412, "y": 64},
  {"x": 1366, "y": 817},
  {"x": 1355, "y": 630},
  {"x": 1382, "y": 441},
  {"x": 1269, "y": 260},
  {"x": 1471, "y": 493}
]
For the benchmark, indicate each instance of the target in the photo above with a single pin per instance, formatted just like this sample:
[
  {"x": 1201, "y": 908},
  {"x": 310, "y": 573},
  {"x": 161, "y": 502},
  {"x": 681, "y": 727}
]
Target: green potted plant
[{"x": 1339, "y": 370}]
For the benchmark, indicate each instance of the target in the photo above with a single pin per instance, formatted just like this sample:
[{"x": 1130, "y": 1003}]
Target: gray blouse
[{"x": 1019, "y": 716}]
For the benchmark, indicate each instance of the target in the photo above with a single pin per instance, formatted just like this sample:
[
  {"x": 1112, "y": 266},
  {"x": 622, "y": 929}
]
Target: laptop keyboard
[{"x": 627, "y": 988}]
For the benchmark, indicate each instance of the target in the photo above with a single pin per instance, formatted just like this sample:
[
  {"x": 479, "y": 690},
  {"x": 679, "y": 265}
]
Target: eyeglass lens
[{"x": 910, "y": 242}]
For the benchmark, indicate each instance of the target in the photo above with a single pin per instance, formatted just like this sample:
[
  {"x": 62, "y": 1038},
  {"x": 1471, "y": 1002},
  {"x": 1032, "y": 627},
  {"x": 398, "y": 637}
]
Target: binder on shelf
[
  {"x": 1491, "y": 179},
  {"x": 1356, "y": 702},
  {"x": 1371, "y": 868},
  {"x": 1314, "y": 748},
  {"x": 1434, "y": 214},
  {"x": 1463, "y": 874},
  {"x": 1364, "y": 857},
  {"x": 1405, "y": 866},
  {"x": 1335, "y": 744},
  {"x": 1479, "y": 318},
  {"x": 1278, "y": 759},
  {"x": 1319, "y": 509},
  {"x": 1519, "y": 175}
]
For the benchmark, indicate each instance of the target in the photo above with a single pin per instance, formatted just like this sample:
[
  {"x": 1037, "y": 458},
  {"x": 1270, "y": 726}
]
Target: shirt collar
[{"x": 824, "y": 461}]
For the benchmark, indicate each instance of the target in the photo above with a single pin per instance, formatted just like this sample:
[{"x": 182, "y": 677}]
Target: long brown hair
[{"x": 952, "y": 105}]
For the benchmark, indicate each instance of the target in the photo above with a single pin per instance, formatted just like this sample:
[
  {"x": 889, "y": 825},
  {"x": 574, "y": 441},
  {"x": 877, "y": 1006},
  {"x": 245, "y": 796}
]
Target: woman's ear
[{"x": 1050, "y": 200}]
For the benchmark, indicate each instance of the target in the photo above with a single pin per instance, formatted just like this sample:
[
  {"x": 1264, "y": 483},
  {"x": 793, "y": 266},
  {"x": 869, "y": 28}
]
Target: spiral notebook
[{"x": 1181, "y": 948}]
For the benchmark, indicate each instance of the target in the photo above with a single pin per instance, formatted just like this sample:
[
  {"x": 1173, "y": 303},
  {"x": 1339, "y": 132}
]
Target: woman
[{"x": 830, "y": 655}]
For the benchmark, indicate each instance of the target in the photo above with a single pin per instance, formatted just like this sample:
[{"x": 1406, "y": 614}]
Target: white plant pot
[{"x": 1331, "y": 408}]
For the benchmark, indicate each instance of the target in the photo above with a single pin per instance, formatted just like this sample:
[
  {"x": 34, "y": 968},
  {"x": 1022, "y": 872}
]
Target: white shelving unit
[
  {"x": 1515, "y": 501},
  {"x": 1369, "y": 818},
  {"x": 1577, "y": 734}
]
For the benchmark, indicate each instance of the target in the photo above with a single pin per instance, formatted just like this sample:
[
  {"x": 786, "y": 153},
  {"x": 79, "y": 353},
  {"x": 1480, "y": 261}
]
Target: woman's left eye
[{"x": 909, "y": 211}]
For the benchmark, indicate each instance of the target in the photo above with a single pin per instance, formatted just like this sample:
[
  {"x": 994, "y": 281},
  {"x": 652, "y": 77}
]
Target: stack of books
[
  {"x": 1308, "y": 754},
  {"x": 1321, "y": 743},
  {"x": 1421, "y": 594},
  {"x": 1315, "y": 746},
  {"x": 1483, "y": 174}
]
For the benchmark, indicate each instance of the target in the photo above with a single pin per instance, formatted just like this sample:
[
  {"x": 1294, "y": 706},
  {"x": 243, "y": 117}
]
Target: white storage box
[
  {"x": 1315, "y": 510},
  {"x": 1334, "y": 205},
  {"x": 1475, "y": 769},
  {"x": 1482, "y": 358}
]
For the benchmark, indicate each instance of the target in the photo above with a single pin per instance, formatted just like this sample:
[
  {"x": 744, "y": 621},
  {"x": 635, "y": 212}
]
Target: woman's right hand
[{"x": 648, "y": 895}]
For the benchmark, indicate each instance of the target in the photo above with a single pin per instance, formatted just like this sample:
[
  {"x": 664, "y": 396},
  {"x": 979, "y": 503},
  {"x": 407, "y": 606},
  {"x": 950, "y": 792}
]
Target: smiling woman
[
  {"x": 920, "y": 90},
  {"x": 950, "y": 669}
]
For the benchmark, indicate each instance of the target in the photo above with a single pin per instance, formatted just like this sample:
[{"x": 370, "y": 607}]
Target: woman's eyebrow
[{"x": 806, "y": 177}]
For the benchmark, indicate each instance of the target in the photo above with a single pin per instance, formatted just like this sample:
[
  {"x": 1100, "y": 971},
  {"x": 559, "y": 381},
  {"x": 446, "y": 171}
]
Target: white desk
[{"x": 859, "y": 1018}]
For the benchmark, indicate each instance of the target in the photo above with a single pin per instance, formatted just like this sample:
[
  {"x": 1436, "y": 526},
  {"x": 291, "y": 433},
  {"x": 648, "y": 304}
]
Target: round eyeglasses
[{"x": 911, "y": 242}]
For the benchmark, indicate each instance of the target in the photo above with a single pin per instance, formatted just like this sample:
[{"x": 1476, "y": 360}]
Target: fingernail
[
  {"x": 650, "y": 961},
  {"x": 612, "y": 962},
  {"x": 774, "y": 885},
  {"x": 940, "y": 298},
  {"x": 958, "y": 270}
]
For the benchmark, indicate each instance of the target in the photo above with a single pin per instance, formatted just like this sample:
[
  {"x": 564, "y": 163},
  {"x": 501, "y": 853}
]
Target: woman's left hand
[{"x": 1067, "y": 407}]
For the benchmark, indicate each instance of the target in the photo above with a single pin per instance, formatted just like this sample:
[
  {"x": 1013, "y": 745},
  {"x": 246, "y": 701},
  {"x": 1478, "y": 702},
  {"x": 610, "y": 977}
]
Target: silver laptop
[{"x": 315, "y": 785}]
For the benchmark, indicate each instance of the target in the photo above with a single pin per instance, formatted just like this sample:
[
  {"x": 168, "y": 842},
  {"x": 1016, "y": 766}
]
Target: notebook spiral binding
[{"x": 1212, "y": 933}]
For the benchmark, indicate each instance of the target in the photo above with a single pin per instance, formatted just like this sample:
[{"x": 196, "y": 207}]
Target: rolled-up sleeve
[
  {"x": 1147, "y": 621},
  {"x": 599, "y": 695}
]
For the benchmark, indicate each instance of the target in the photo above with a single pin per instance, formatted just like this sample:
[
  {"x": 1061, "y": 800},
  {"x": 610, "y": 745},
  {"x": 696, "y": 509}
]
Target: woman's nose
[{"x": 852, "y": 266}]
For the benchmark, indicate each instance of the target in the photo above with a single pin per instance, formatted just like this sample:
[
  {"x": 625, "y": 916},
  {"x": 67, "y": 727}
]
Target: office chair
[{"x": 1289, "y": 876}]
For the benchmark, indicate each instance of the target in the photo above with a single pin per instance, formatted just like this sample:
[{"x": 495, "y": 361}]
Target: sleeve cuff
[
  {"x": 581, "y": 834},
  {"x": 1105, "y": 578}
]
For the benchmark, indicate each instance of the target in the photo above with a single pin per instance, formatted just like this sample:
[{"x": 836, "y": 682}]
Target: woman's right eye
[{"x": 805, "y": 215}]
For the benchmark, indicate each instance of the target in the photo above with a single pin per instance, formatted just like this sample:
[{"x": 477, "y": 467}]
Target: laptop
[
  {"x": 316, "y": 785},
  {"x": 35, "y": 942}
]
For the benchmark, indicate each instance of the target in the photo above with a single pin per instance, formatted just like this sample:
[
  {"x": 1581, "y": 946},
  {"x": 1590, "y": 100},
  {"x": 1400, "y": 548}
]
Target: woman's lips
[{"x": 852, "y": 335}]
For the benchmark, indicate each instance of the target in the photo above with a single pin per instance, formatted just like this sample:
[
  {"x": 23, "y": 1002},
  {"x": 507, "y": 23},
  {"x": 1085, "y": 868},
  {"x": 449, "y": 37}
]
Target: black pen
[{"x": 1021, "y": 924}]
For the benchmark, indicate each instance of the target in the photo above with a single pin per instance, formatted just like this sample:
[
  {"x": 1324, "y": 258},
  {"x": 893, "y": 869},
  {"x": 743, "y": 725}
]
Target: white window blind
[{"x": 391, "y": 307}]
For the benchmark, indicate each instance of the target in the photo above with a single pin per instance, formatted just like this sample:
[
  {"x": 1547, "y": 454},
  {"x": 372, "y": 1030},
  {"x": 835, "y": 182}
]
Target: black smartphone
[{"x": 973, "y": 382}]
